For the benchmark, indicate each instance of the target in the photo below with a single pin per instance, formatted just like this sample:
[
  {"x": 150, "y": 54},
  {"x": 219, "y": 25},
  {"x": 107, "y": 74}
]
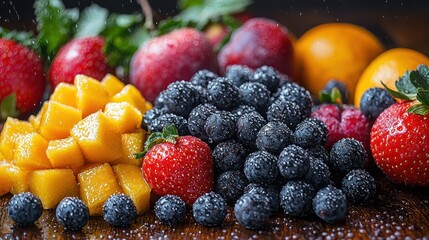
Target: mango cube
[
  {"x": 133, "y": 96},
  {"x": 30, "y": 152},
  {"x": 65, "y": 93},
  {"x": 96, "y": 186},
  {"x": 5, "y": 182},
  {"x": 97, "y": 138},
  {"x": 12, "y": 129},
  {"x": 91, "y": 95},
  {"x": 64, "y": 153},
  {"x": 57, "y": 120},
  {"x": 35, "y": 120},
  {"x": 112, "y": 84},
  {"x": 125, "y": 117},
  {"x": 132, "y": 182},
  {"x": 18, "y": 178},
  {"x": 131, "y": 143},
  {"x": 52, "y": 185}
]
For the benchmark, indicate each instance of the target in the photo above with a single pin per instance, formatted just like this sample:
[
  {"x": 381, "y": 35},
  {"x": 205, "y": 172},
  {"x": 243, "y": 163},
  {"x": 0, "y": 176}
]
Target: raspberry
[
  {"x": 220, "y": 126},
  {"x": 268, "y": 76},
  {"x": 294, "y": 162},
  {"x": 170, "y": 209},
  {"x": 238, "y": 74},
  {"x": 203, "y": 77},
  {"x": 24, "y": 208},
  {"x": 296, "y": 198},
  {"x": 230, "y": 185},
  {"x": 72, "y": 213},
  {"x": 248, "y": 126},
  {"x": 252, "y": 210},
  {"x": 274, "y": 137},
  {"x": 197, "y": 119},
  {"x": 180, "y": 98},
  {"x": 330, "y": 204},
  {"x": 269, "y": 190},
  {"x": 347, "y": 154},
  {"x": 209, "y": 210},
  {"x": 318, "y": 175},
  {"x": 223, "y": 94},
  {"x": 359, "y": 186},
  {"x": 261, "y": 167},
  {"x": 167, "y": 119},
  {"x": 311, "y": 132},
  {"x": 229, "y": 155},
  {"x": 119, "y": 210},
  {"x": 255, "y": 94},
  {"x": 286, "y": 112},
  {"x": 374, "y": 101}
]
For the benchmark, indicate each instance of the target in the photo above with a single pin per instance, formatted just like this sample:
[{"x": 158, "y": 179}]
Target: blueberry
[
  {"x": 72, "y": 213},
  {"x": 252, "y": 210},
  {"x": 167, "y": 119},
  {"x": 296, "y": 198},
  {"x": 359, "y": 186},
  {"x": 341, "y": 87},
  {"x": 229, "y": 155},
  {"x": 274, "y": 137},
  {"x": 318, "y": 175},
  {"x": 230, "y": 185},
  {"x": 292, "y": 92},
  {"x": 347, "y": 154},
  {"x": 209, "y": 210},
  {"x": 197, "y": 119},
  {"x": 223, "y": 94},
  {"x": 119, "y": 210},
  {"x": 248, "y": 126},
  {"x": 374, "y": 101},
  {"x": 24, "y": 208},
  {"x": 152, "y": 114},
  {"x": 159, "y": 100},
  {"x": 330, "y": 204},
  {"x": 268, "y": 76},
  {"x": 319, "y": 152},
  {"x": 270, "y": 191},
  {"x": 180, "y": 98},
  {"x": 311, "y": 132},
  {"x": 261, "y": 167},
  {"x": 238, "y": 74},
  {"x": 286, "y": 112},
  {"x": 255, "y": 94},
  {"x": 294, "y": 162},
  {"x": 203, "y": 77},
  {"x": 242, "y": 109},
  {"x": 220, "y": 126},
  {"x": 170, "y": 209}
]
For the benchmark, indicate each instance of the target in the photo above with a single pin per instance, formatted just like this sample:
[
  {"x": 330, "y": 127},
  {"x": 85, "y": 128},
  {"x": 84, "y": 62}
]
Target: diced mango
[
  {"x": 30, "y": 152},
  {"x": 125, "y": 117},
  {"x": 132, "y": 182},
  {"x": 97, "y": 184},
  {"x": 65, "y": 93},
  {"x": 133, "y": 96},
  {"x": 12, "y": 129},
  {"x": 35, "y": 120},
  {"x": 91, "y": 95},
  {"x": 112, "y": 84},
  {"x": 57, "y": 120},
  {"x": 64, "y": 153},
  {"x": 5, "y": 182},
  {"x": 52, "y": 185},
  {"x": 97, "y": 138},
  {"x": 19, "y": 179},
  {"x": 1, "y": 157},
  {"x": 131, "y": 143}
]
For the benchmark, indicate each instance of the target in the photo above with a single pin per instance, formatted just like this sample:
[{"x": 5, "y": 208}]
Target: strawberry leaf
[
  {"x": 403, "y": 84},
  {"x": 92, "y": 21},
  {"x": 419, "y": 109},
  {"x": 168, "y": 134},
  {"x": 418, "y": 80},
  {"x": 8, "y": 107},
  {"x": 330, "y": 97},
  {"x": 423, "y": 96},
  {"x": 399, "y": 95},
  {"x": 424, "y": 71}
]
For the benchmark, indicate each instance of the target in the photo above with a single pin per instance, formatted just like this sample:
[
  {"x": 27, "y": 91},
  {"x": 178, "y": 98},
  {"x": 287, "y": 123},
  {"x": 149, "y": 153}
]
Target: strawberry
[
  {"x": 79, "y": 56},
  {"x": 179, "y": 166},
  {"x": 21, "y": 75},
  {"x": 400, "y": 134}
]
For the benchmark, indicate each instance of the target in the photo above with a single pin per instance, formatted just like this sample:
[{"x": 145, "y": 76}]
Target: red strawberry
[
  {"x": 179, "y": 166},
  {"x": 21, "y": 72},
  {"x": 79, "y": 56},
  {"x": 172, "y": 57}
]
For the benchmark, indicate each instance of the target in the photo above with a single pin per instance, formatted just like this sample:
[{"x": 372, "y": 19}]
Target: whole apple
[{"x": 172, "y": 57}]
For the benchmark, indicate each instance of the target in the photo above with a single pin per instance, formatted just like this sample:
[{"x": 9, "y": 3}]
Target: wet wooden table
[{"x": 397, "y": 213}]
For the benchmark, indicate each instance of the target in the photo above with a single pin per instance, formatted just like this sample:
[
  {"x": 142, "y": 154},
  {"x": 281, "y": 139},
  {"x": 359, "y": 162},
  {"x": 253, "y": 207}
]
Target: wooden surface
[{"x": 396, "y": 213}]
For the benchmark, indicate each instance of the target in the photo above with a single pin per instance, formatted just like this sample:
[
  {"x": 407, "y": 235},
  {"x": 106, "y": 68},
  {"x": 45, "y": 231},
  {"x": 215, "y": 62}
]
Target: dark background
[{"x": 397, "y": 23}]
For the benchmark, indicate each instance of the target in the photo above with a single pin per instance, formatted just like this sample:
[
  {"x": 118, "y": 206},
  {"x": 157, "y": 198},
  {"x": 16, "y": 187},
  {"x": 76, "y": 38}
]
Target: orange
[
  {"x": 387, "y": 68},
  {"x": 334, "y": 51}
]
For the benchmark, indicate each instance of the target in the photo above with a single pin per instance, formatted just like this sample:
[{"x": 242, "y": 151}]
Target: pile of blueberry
[{"x": 268, "y": 153}]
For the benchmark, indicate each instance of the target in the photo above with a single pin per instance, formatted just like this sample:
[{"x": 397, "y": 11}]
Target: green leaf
[
  {"x": 168, "y": 134},
  {"x": 171, "y": 24},
  {"x": 92, "y": 21},
  {"x": 8, "y": 107},
  {"x": 183, "y": 4},
  {"x": 417, "y": 80},
  {"x": 424, "y": 71},
  {"x": 324, "y": 97},
  {"x": 419, "y": 109},
  {"x": 399, "y": 95},
  {"x": 56, "y": 25},
  {"x": 25, "y": 38},
  {"x": 403, "y": 84},
  {"x": 330, "y": 97},
  {"x": 423, "y": 96},
  {"x": 170, "y": 130}
]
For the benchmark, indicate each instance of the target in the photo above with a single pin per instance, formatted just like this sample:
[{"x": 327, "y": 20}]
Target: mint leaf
[
  {"x": 423, "y": 96},
  {"x": 399, "y": 95},
  {"x": 419, "y": 109},
  {"x": 403, "y": 84},
  {"x": 25, "y": 38},
  {"x": 56, "y": 25},
  {"x": 92, "y": 21},
  {"x": 8, "y": 107},
  {"x": 417, "y": 80}
]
